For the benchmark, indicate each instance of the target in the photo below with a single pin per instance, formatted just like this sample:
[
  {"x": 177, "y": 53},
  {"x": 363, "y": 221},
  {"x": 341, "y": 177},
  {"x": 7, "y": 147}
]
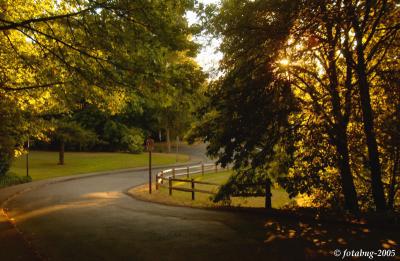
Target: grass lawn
[
  {"x": 279, "y": 196},
  {"x": 43, "y": 164}
]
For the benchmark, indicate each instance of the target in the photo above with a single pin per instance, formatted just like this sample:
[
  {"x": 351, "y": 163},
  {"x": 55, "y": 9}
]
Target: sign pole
[
  {"x": 150, "y": 172},
  {"x": 27, "y": 159},
  {"x": 177, "y": 148},
  {"x": 150, "y": 146}
]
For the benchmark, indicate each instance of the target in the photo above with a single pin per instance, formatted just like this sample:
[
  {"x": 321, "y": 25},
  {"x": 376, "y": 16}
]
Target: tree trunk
[
  {"x": 348, "y": 188},
  {"x": 392, "y": 186},
  {"x": 168, "y": 140},
  {"x": 61, "y": 152},
  {"x": 268, "y": 195},
  {"x": 339, "y": 127},
  {"x": 368, "y": 122}
]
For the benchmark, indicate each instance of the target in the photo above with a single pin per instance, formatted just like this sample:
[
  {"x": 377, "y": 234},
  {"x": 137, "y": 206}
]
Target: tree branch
[
  {"x": 25, "y": 88},
  {"x": 15, "y": 25}
]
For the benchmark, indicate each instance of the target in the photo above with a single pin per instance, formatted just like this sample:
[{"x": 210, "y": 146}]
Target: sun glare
[{"x": 284, "y": 62}]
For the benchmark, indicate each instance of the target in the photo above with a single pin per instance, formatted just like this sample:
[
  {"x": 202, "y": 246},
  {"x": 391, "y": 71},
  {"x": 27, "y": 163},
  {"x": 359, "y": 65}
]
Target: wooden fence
[
  {"x": 169, "y": 176},
  {"x": 166, "y": 178}
]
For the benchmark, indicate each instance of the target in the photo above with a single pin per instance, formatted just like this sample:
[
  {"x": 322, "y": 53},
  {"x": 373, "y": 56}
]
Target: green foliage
[
  {"x": 246, "y": 115},
  {"x": 11, "y": 179},
  {"x": 117, "y": 136},
  {"x": 11, "y": 129},
  {"x": 6, "y": 153},
  {"x": 179, "y": 94},
  {"x": 59, "y": 58},
  {"x": 113, "y": 132},
  {"x": 103, "y": 43},
  {"x": 272, "y": 171},
  {"x": 73, "y": 133}
]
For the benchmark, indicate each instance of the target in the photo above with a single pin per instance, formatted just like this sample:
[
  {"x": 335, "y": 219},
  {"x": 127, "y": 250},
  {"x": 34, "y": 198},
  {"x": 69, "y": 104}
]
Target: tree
[
  {"x": 11, "y": 122},
  {"x": 179, "y": 94},
  {"x": 16, "y": 126},
  {"x": 95, "y": 41},
  {"x": 246, "y": 115},
  {"x": 317, "y": 71},
  {"x": 388, "y": 121},
  {"x": 373, "y": 37},
  {"x": 71, "y": 132},
  {"x": 317, "y": 54},
  {"x": 59, "y": 55}
]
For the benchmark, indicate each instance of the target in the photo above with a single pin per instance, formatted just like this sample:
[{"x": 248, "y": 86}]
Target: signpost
[
  {"x": 150, "y": 147},
  {"x": 27, "y": 158},
  {"x": 177, "y": 148}
]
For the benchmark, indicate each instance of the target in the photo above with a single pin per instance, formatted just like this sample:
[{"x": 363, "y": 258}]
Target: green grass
[
  {"x": 43, "y": 164},
  {"x": 279, "y": 196}
]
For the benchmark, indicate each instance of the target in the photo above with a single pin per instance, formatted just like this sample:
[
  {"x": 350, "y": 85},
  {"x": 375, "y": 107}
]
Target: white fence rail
[{"x": 185, "y": 172}]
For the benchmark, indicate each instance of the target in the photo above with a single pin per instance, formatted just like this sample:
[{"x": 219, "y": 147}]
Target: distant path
[
  {"x": 93, "y": 219},
  {"x": 196, "y": 152}
]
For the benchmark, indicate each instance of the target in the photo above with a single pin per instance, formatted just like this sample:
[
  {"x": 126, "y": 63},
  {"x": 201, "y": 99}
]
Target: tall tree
[
  {"x": 373, "y": 37},
  {"x": 318, "y": 56},
  {"x": 58, "y": 55},
  {"x": 328, "y": 82},
  {"x": 247, "y": 112}
]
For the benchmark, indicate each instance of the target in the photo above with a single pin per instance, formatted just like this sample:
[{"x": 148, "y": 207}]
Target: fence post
[
  {"x": 202, "y": 169},
  {"x": 173, "y": 172},
  {"x": 187, "y": 171},
  {"x": 157, "y": 181},
  {"x": 192, "y": 189},
  {"x": 216, "y": 167},
  {"x": 162, "y": 177},
  {"x": 170, "y": 186},
  {"x": 268, "y": 195}
]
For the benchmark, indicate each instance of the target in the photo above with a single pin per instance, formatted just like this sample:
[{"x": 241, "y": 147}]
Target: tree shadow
[{"x": 305, "y": 240}]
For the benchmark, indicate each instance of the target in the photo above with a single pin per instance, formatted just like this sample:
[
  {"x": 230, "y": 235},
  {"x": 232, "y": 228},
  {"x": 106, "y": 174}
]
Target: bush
[
  {"x": 5, "y": 162},
  {"x": 11, "y": 179},
  {"x": 133, "y": 141},
  {"x": 75, "y": 135},
  {"x": 6, "y": 155},
  {"x": 11, "y": 131},
  {"x": 119, "y": 137}
]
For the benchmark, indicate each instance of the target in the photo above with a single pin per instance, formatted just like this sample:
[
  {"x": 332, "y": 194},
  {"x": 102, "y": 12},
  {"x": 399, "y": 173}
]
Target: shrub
[
  {"x": 11, "y": 179},
  {"x": 6, "y": 155},
  {"x": 73, "y": 133},
  {"x": 11, "y": 131},
  {"x": 119, "y": 137},
  {"x": 133, "y": 141},
  {"x": 5, "y": 162}
]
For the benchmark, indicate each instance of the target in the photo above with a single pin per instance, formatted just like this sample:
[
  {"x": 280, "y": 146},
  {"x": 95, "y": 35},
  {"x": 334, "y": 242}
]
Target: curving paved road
[{"x": 91, "y": 218}]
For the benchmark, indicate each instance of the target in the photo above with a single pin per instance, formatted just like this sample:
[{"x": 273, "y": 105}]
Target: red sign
[{"x": 149, "y": 144}]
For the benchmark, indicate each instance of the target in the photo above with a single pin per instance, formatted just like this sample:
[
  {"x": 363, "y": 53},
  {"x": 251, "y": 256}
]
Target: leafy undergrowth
[{"x": 11, "y": 179}]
